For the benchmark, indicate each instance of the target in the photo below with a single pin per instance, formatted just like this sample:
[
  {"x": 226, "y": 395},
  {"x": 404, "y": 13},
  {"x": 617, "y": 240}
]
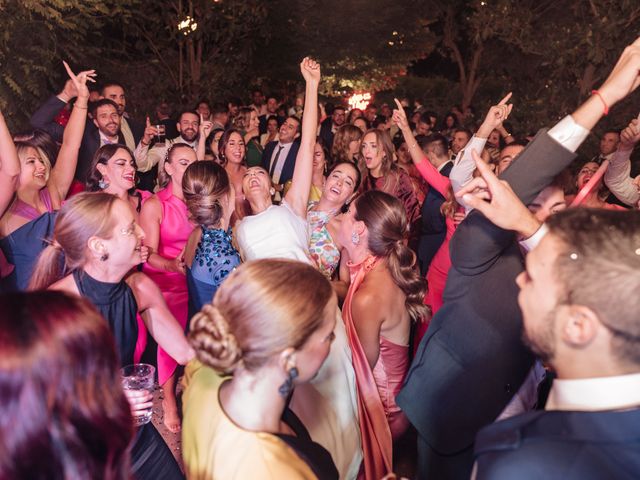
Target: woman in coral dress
[{"x": 385, "y": 295}]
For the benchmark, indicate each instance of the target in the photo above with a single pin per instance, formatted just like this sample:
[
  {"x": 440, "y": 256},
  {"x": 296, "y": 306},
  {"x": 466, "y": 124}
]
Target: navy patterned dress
[{"x": 214, "y": 259}]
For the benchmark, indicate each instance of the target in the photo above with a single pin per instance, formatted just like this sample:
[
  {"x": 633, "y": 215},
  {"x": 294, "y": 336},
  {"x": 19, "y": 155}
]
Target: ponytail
[
  {"x": 83, "y": 216},
  {"x": 402, "y": 266},
  {"x": 386, "y": 221},
  {"x": 50, "y": 267}
]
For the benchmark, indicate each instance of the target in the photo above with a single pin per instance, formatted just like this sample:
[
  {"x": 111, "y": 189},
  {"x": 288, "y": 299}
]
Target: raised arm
[
  {"x": 478, "y": 242},
  {"x": 617, "y": 176},
  {"x": 298, "y": 195},
  {"x": 44, "y": 117},
  {"x": 9, "y": 167},
  {"x": 424, "y": 166},
  {"x": 464, "y": 166},
  {"x": 204, "y": 130},
  {"x": 65, "y": 168}
]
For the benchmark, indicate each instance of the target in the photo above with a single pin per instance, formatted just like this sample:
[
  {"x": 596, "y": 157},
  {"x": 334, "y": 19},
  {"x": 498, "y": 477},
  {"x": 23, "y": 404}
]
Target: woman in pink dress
[
  {"x": 441, "y": 263},
  {"x": 385, "y": 295},
  {"x": 166, "y": 224}
]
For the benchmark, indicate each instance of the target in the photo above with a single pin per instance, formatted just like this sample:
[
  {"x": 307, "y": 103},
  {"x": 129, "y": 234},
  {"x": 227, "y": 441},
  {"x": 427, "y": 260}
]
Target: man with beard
[
  {"x": 96, "y": 133},
  {"x": 589, "y": 428},
  {"x": 131, "y": 130},
  {"x": 146, "y": 158},
  {"x": 472, "y": 361}
]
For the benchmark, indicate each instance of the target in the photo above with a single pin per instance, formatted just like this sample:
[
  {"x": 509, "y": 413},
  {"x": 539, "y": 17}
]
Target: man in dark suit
[
  {"x": 434, "y": 228},
  {"x": 279, "y": 158},
  {"x": 95, "y": 135},
  {"x": 590, "y": 427},
  {"x": 330, "y": 125},
  {"x": 472, "y": 360}
]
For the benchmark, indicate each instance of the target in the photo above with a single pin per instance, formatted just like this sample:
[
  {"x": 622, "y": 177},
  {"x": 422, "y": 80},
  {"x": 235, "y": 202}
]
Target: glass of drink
[
  {"x": 139, "y": 376},
  {"x": 160, "y": 137}
]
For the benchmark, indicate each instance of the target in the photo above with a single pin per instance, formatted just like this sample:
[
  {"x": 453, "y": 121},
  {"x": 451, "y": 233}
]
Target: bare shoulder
[
  {"x": 366, "y": 302},
  {"x": 144, "y": 290},
  {"x": 151, "y": 206}
]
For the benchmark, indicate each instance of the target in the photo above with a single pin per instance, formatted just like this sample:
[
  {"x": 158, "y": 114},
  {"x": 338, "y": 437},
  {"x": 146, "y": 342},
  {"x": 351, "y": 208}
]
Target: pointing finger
[{"x": 505, "y": 99}]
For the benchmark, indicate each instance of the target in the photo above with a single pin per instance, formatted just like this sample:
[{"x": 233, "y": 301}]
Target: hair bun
[{"x": 216, "y": 346}]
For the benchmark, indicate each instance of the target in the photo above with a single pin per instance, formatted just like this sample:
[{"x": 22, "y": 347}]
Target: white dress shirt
[
  {"x": 566, "y": 132},
  {"x": 594, "y": 394}
]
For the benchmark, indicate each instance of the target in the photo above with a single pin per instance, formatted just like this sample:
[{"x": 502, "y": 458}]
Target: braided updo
[{"x": 261, "y": 309}]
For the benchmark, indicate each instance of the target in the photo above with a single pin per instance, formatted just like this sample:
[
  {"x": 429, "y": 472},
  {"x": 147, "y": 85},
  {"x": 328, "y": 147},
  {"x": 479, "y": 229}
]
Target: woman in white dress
[{"x": 327, "y": 406}]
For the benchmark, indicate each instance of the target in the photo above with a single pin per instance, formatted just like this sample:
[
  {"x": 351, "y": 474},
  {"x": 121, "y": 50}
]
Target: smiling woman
[
  {"x": 39, "y": 190},
  {"x": 95, "y": 245}
]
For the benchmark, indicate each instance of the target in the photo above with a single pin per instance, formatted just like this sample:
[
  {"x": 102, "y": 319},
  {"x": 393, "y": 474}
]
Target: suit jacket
[
  {"x": 471, "y": 360},
  {"x": 434, "y": 227},
  {"x": 561, "y": 445},
  {"x": 289, "y": 164},
  {"x": 44, "y": 117}
]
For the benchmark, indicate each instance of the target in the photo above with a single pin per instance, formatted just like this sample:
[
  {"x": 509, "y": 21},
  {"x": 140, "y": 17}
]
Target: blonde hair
[
  {"x": 261, "y": 309},
  {"x": 83, "y": 216},
  {"x": 21, "y": 148}
]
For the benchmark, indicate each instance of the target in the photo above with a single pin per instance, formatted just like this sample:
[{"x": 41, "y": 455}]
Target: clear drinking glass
[
  {"x": 139, "y": 376},
  {"x": 160, "y": 137}
]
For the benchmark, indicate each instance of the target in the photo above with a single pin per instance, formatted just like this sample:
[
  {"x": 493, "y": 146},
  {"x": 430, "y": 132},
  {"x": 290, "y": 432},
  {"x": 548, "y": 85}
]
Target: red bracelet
[{"x": 606, "y": 107}]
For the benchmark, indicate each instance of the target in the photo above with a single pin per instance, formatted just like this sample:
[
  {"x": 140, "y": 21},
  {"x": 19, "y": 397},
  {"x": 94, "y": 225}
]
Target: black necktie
[{"x": 275, "y": 160}]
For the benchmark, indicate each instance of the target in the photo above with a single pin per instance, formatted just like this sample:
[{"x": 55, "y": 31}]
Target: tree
[
  {"x": 362, "y": 44},
  {"x": 37, "y": 36}
]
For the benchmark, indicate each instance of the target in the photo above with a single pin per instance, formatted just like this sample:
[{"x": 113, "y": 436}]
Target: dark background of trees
[{"x": 550, "y": 53}]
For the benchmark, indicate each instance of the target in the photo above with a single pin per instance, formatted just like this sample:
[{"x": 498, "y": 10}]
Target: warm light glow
[
  {"x": 187, "y": 26},
  {"x": 359, "y": 100}
]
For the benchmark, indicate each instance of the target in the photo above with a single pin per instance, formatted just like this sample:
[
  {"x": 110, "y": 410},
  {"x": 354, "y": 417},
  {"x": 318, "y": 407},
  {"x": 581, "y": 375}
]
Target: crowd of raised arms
[{"x": 333, "y": 292}]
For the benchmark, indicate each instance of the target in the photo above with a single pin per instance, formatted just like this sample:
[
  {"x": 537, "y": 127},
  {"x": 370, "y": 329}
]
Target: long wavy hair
[
  {"x": 386, "y": 222},
  {"x": 64, "y": 414}
]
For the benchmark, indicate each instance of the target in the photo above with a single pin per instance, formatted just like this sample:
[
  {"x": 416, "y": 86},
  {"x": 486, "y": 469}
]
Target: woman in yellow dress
[{"x": 258, "y": 340}]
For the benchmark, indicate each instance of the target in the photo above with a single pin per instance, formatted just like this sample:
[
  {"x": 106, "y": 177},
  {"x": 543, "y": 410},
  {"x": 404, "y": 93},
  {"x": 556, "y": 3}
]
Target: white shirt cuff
[
  {"x": 568, "y": 133},
  {"x": 532, "y": 242}
]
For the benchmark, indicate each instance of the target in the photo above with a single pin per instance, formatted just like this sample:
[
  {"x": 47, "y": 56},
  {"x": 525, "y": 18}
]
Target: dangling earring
[
  {"x": 272, "y": 191},
  {"x": 285, "y": 389},
  {"x": 355, "y": 238},
  {"x": 102, "y": 184},
  {"x": 104, "y": 257}
]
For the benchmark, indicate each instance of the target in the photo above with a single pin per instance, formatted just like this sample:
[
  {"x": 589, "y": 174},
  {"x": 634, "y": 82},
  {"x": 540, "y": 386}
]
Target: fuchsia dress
[
  {"x": 175, "y": 229},
  {"x": 381, "y": 421},
  {"x": 441, "y": 263}
]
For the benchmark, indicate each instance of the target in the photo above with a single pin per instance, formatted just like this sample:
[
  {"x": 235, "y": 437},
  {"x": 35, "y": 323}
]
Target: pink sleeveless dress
[
  {"x": 175, "y": 229},
  {"x": 381, "y": 420}
]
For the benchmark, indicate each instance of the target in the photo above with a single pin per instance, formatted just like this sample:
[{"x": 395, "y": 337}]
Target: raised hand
[
  {"x": 630, "y": 135},
  {"x": 79, "y": 81},
  {"x": 495, "y": 117},
  {"x": 399, "y": 116},
  {"x": 624, "y": 78},
  {"x": 149, "y": 132},
  {"x": 310, "y": 70},
  {"x": 497, "y": 201},
  {"x": 205, "y": 127}
]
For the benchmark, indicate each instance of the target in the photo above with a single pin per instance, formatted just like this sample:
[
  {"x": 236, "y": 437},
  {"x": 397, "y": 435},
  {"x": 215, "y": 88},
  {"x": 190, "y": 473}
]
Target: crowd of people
[{"x": 336, "y": 282}]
